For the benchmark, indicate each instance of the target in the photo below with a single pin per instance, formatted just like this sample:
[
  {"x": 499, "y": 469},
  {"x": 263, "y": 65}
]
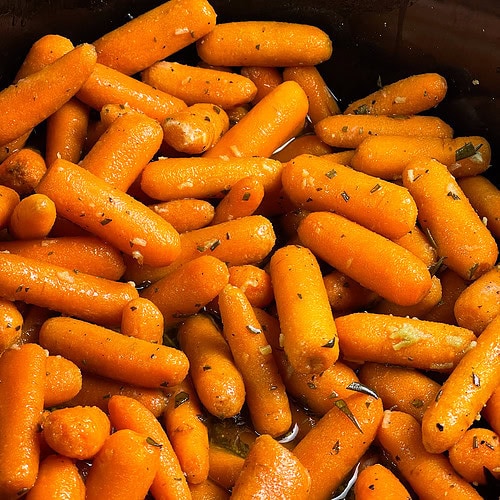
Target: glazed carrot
[
  {"x": 63, "y": 380},
  {"x": 124, "y": 149},
  {"x": 271, "y": 471},
  {"x": 309, "y": 144},
  {"x": 317, "y": 184},
  {"x": 143, "y": 320},
  {"x": 268, "y": 125},
  {"x": 225, "y": 466},
  {"x": 110, "y": 214},
  {"x": 175, "y": 178},
  {"x": 11, "y": 147},
  {"x": 33, "y": 217},
  {"x": 400, "y": 388},
  {"x": 8, "y": 201},
  {"x": 52, "y": 87},
  {"x": 342, "y": 157},
  {"x": 417, "y": 242},
  {"x": 218, "y": 382},
  {"x": 408, "y": 96},
  {"x": 265, "y": 79},
  {"x": 378, "y": 482},
  {"x": 34, "y": 317},
  {"x": 124, "y": 468},
  {"x": 195, "y": 85},
  {"x": 155, "y": 35},
  {"x": 169, "y": 481},
  {"x": 101, "y": 351},
  {"x": 87, "y": 254},
  {"x": 264, "y": 43},
  {"x": 446, "y": 215},
  {"x": 22, "y": 170},
  {"x": 188, "y": 288},
  {"x": 429, "y": 474},
  {"x": 367, "y": 257},
  {"x": 299, "y": 292},
  {"x": 464, "y": 393},
  {"x": 185, "y": 214},
  {"x": 265, "y": 393},
  {"x": 195, "y": 129},
  {"x": 110, "y": 112},
  {"x": 11, "y": 324},
  {"x": 95, "y": 129},
  {"x": 333, "y": 447},
  {"x": 403, "y": 341},
  {"x": 491, "y": 410},
  {"x": 208, "y": 490},
  {"x": 254, "y": 282},
  {"x": 348, "y": 131},
  {"x": 484, "y": 196},
  {"x": 22, "y": 372}
]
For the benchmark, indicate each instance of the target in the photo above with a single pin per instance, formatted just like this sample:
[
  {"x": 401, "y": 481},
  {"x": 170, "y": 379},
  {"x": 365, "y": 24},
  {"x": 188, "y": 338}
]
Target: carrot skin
[
  {"x": 377, "y": 482},
  {"x": 63, "y": 381}
]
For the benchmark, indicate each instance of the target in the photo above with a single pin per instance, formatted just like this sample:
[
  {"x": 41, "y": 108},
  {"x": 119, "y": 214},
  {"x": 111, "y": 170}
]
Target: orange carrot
[
  {"x": 11, "y": 147},
  {"x": 11, "y": 324},
  {"x": 309, "y": 144},
  {"x": 491, "y": 410},
  {"x": 342, "y": 157},
  {"x": 63, "y": 381},
  {"x": 9, "y": 198},
  {"x": 208, "y": 490},
  {"x": 143, "y": 320},
  {"x": 185, "y": 214},
  {"x": 265, "y": 78},
  {"x": 34, "y": 317},
  {"x": 22, "y": 170},
  {"x": 225, "y": 466},
  {"x": 236, "y": 113},
  {"x": 378, "y": 482},
  {"x": 417, "y": 242},
  {"x": 255, "y": 283},
  {"x": 33, "y": 217}
]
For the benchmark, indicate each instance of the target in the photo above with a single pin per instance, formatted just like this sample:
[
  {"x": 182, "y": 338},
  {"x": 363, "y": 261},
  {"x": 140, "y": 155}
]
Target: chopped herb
[
  {"x": 342, "y": 406},
  {"x": 312, "y": 385},
  {"x": 336, "y": 447},
  {"x": 107, "y": 396},
  {"x": 432, "y": 241},
  {"x": 330, "y": 343},
  {"x": 475, "y": 380},
  {"x": 206, "y": 368},
  {"x": 358, "y": 387},
  {"x": 345, "y": 196},
  {"x": 246, "y": 196},
  {"x": 152, "y": 442},
  {"x": 181, "y": 398},
  {"x": 253, "y": 329},
  {"x": 474, "y": 442},
  {"x": 133, "y": 308},
  {"x": 466, "y": 151},
  {"x": 489, "y": 445},
  {"x": 434, "y": 268},
  {"x": 299, "y": 295},
  {"x": 257, "y": 46},
  {"x": 438, "y": 395},
  {"x": 440, "y": 427},
  {"x": 417, "y": 403},
  {"x": 345, "y": 128},
  {"x": 453, "y": 195},
  {"x": 375, "y": 188},
  {"x": 362, "y": 110},
  {"x": 333, "y": 395},
  {"x": 200, "y": 248},
  {"x": 379, "y": 82},
  {"x": 473, "y": 270},
  {"x": 214, "y": 245},
  {"x": 106, "y": 221},
  {"x": 331, "y": 173}
]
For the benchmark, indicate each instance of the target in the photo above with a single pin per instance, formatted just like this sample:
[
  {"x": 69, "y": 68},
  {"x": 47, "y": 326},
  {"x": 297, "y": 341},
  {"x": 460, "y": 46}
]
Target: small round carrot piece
[
  {"x": 11, "y": 324},
  {"x": 63, "y": 381},
  {"x": 9, "y": 198},
  {"x": 309, "y": 144},
  {"x": 265, "y": 78},
  {"x": 33, "y": 217},
  {"x": 255, "y": 283},
  {"x": 377, "y": 482},
  {"x": 22, "y": 170},
  {"x": 143, "y": 320}
]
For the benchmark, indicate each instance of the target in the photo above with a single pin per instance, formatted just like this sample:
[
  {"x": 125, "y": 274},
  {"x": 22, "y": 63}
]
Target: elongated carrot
[
  {"x": 447, "y": 216},
  {"x": 22, "y": 170},
  {"x": 265, "y": 79},
  {"x": 63, "y": 380},
  {"x": 201, "y": 213},
  {"x": 367, "y": 257},
  {"x": 110, "y": 214},
  {"x": 418, "y": 243},
  {"x": 464, "y": 393},
  {"x": 9, "y": 198},
  {"x": 378, "y": 482},
  {"x": 169, "y": 482},
  {"x": 255, "y": 283},
  {"x": 491, "y": 411},
  {"x": 22, "y": 372},
  {"x": 342, "y": 157},
  {"x": 143, "y": 320},
  {"x": 225, "y": 466},
  {"x": 11, "y": 323},
  {"x": 100, "y": 350},
  {"x": 309, "y": 144},
  {"x": 264, "y": 43},
  {"x": 317, "y": 184},
  {"x": 33, "y": 217}
]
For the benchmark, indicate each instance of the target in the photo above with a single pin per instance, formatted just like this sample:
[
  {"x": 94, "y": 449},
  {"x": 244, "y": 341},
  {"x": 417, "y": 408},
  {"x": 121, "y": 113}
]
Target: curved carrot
[
  {"x": 63, "y": 381},
  {"x": 255, "y": 283},
  {"x": 143, "y": 320},
  {"x": 185, "y": 214},
  {"x": 378, "y": 482},
  {"x": 418, "y": 243},
  {"x": 309, "y": 144},
  {"x": 11, "y": 324},
  {"x": 33, "y": 217},
  {"x": 22, "y": 170},
  {"x": 265, "y": 79}
]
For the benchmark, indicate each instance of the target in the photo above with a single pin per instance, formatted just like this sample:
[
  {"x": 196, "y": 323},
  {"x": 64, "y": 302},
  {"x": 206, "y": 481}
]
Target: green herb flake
[
  {"x": 417, "y": 403},
  {"x": 342, "y": 406},
  {"x": 106, "y": 221},
  {"x": 474, "y": 442},
  {"x": 330, "y": 344},
  {"x": 336, "y": 448},
  {"x": 345, "y": 196},
  {"x": 375, "y": 188},
  {"x": 152, "y": 442},
  {"x": 453, "y": 195},
  {"x": 434, "y": 268},
  {"x": 362, "y": 110},
  {"x": 438, "y": 395},
  {"x": 246, "y": 196},
  {"x": 206, "y": 368},
  {"x": 312, "y": 385},
  {"x": 345, "y": 128},
  {"x": 359, "y": 387},
  {"x": 214, "y": 245},
  {"x": 331, "y": 173},
  {"x": 181, "y": 398},
  {"x": 466, "y": 151},
  {"x": 473, "y": 270}
]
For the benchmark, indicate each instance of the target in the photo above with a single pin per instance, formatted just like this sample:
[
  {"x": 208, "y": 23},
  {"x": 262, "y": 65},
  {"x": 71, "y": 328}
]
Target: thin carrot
[
  {"x": 309, "y": 144},
  {"x": 11, "y": 324},
  {"x": 255, "y": 283},
  {"x": 33, "y": 217},
  {"x": 418, "y": 243},
  {"x": 201, "y": 213},
  {"x": 22, "y": 170},
  {"x": 378, "y": 482},
  {"x": 265, "y": 79},
  {"x": 142, "y": 319},
  {"x": 9, "y": 198},
  {"x": 491, "y": 410},
  {"x": 63, "y": 380},
  {"x": 100, "y": 350},
  {"x": 225, "y": 466}
]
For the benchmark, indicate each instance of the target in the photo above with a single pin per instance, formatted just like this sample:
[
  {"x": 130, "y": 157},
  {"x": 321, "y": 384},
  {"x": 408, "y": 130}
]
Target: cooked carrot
[
  {"x": 100, "y": 351},
  {"x": 155, "y": 35},
  {"x": 300, "y": 294},
  {"x": 22, "y": 170},
  {"x": 333, "y": 447},
  {"x": 403, "y": 341},
  {"x": 124, "y": 468},
  {"x": 342, "y": 157},
  {"x": 33, "y": 217},
  {"x": 317, "y": 184},
  {"x": 11, "y": 324},
  {"x": 408, "y": 96},
  {"x": 464, "y": 392},
  {"x": 195, "y": 85},
  {"x": 417, "y": 242},
  {"x": 236, "y": 113},
  {"x": 309, "y": 144},
  {"x": 63, "y": 381},
  {"x": 268, "y": 125},
  {"x": 255, "y": 283},
  {"x": 491, "y": 411},
  {"x": 110, "y": 214},
  {"x": 22, "y": 372},
  {"x": 225, "y": 466},
  {"x": 444, "y": 213},
  {"x": 124, "y": 149},
  {"x": 429, "y": 474},
  {"x": 265, "y": 79},
  {"x": 185, "y": 214},
  {"x": 58, "y": 476},
  {"x": 208, "y": 490},
  {"x": 348, "y": 131},
  {"x": 142, "y": 319},
  {"x": 9, "y": 198},
  {"x": 264, "y": 43},
  {"x": 11, "y": 147},
  {"x": 367, "y": 257},
  {"x": 400, "y": 388},
  {"x": 265, "y": 393},
  {"x": 378, "y": 482},
  {"x": 34, "y": 316},
  {"x": 169, "y": 482}
]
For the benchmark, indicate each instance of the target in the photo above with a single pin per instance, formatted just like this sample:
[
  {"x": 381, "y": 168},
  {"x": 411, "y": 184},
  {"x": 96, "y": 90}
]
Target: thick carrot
[
  {"x": 9, "y": 198},
  {"x": 491, "y": 411},
  {"x": 33, "y": 217},
  {"x": 308, "y": 143},
  {"x": 447, "y": 216},
  {"x": 317, "y": 184},
  {"x": 11, "y": 324},
  {"x": 155, "y": 35},
  {"x": 367, "y": 257},
  {"x": 378, "y": 482},
  {"x": 110, "y": 213},
  {"x": 110, "y": 354},
  {"x": 217, "y": 381},
  {"x": 169, "y": 481},
  {"x": 418, "y": 243},
  {"x": 142, "y": 319},
  {"x": 265, "y": 79},
  {"x": 333, "y": 447},
  {"x": 429, "y": 474},
  {"x": 195, "y": 85},
  {"x": 309, "y": 335},
  {"x": 22, "y": 372},
  {"x": 464, "y": 392},
  {"x": 22, "y": 170},
  {"x": 63, "y": 380},
  {"x": 185, "y": 214},
  {"x": 225, "y": 466},
  {"x": 264, "y": 43},
  {"x": 411, "y": 342},
  {"x": 255, "y": 283}
]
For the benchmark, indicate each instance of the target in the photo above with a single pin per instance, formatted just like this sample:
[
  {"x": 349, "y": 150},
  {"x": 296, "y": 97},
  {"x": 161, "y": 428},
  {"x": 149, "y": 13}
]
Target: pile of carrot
[{"x": 216, "y": 281}]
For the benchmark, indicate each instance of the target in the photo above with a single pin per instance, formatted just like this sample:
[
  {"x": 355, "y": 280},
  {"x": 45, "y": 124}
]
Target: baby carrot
[
  {"x": 417, "y": 242},
  {"x": 34, "y": 317},
  {"x": 265, "y": 79},
  {"x": 110, "y": 213},
  {"x": 408, "y": 96},
  {"x": 143, "y": 320},
  {"x": 367, "y": 257},
  {"x": 464, "y": 392},
  {"x": 208, "y": 490},
  {"x": 169, "y": 481},
  {"x": 309, "y": 144},
  {"x": 348, "y": 131},
  {"x": 309, "y": 335},
  {"x": 22, "y": 372},
  {"x": 9, "y": 198},
  {"x": 342, "y": 157},
  {"x": 33, "y": 217},
  {"x": 11, "y": 324},
  {"x": 225, "y": 466},
  {"x": 275, "y": 119},
  {"x": 378, "y": 482},
  {"x": 444, "y": 213},
  {"x": 491, "y": 411},
  {"x": 255, "y": 283},
  {"x": 22, "y": 170},
  {"x": 63, "y": 381},
  {"x": 317, "y": 184},
  {"x": 124, "y": 468},
  {"x": 185, "y": 214},
  {"x": 11, "y": 147},
  {"x": 335, "y": 444},
  {"x": 101, "y": 351},
  {"x": 264, "y": 43}
]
